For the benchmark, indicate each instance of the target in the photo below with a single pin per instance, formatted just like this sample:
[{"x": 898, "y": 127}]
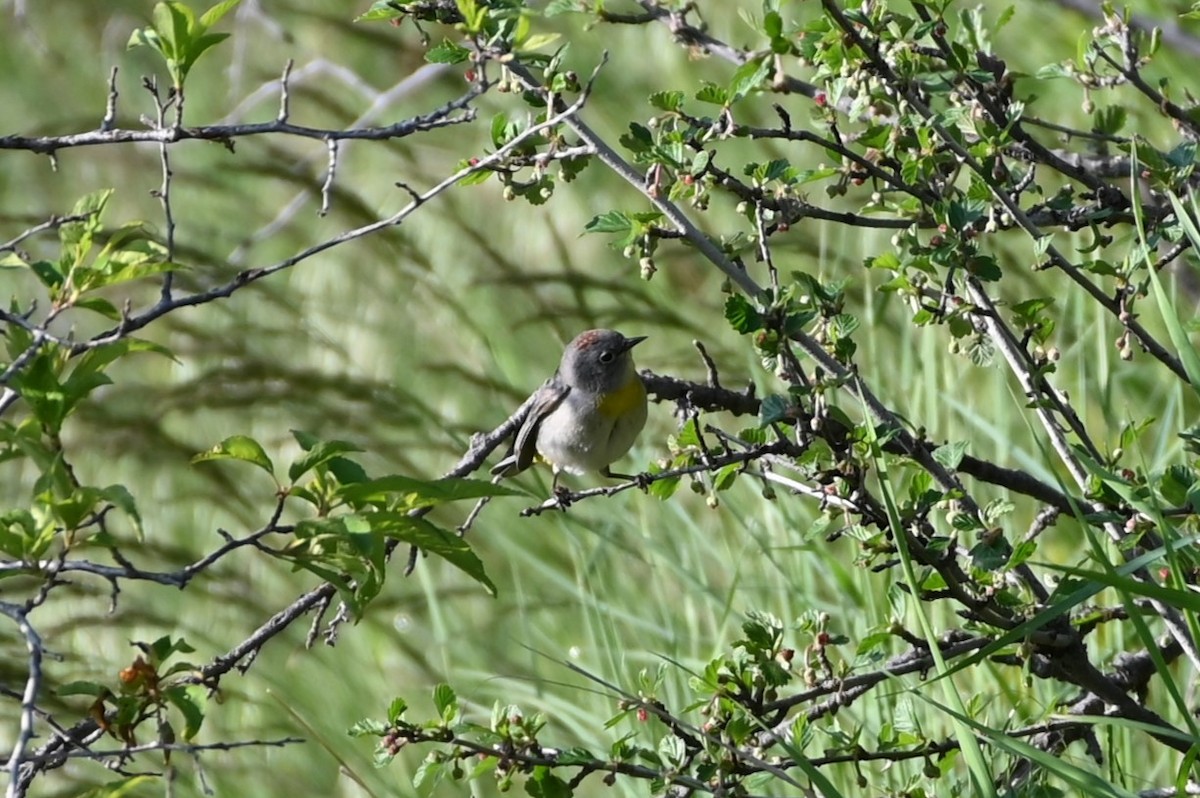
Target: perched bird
[{"x": 588, "y": 414}]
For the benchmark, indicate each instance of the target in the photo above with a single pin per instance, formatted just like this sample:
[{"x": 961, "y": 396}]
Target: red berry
[
  {"x": 642, "y": 715},
  {"x": 469, "y": 75},
  {"x": 819, "y": 99},
  {"x": 473, "y": 161}
]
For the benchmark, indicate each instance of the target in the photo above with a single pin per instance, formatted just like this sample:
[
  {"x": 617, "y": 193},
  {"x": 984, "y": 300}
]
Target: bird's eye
[{"x": 607, "y": 356}]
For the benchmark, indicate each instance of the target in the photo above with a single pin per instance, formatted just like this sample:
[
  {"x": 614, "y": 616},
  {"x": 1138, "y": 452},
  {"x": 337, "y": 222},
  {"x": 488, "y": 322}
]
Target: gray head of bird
[{"x": 598, "y": 360}]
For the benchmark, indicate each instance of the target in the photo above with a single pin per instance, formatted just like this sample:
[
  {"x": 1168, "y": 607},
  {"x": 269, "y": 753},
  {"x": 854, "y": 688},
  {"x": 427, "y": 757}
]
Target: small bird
[{"x": 588, "y": 414}]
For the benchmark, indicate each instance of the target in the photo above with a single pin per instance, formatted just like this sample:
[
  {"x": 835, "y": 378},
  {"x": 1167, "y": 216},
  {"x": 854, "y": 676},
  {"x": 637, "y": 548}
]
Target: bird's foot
[{"x": 562, "y": 497}]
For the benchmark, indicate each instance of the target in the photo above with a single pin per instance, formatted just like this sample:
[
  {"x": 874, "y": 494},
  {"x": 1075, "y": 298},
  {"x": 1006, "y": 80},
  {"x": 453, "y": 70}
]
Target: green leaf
[
  {"x": 950, "y": 455},
  {"x": 93, "y": 689},
  {"x": 712, "y": 93},
  {"x": 991, "y": 555},
  {"x": 667, "y": 100},
  {"x": 401, "y": 526},
  {"x": 238, "y": 447},
  {"x": 445, "y": 700},
  {"x": 380, "y": 10},
  {"x": 190, "y": 702},
  {"x": 414, "y": 493},
  {"x": 741, "y": 315},
  {"x": 396, "y": 709},
  {"x": 773, "y": 24},
  {"x": 318, "y": 455},
  {"x": 747, "y": 77},
  {"x": 1179, "y": 337},
  {"x": 610, "y": 222},
  {"x": 537, "y": 41},
  {"x": 120, "y": 497},
  {"x": 543, "y": 783},
  {"x": 95, "y": 360},
  {"x": 198, "y": 47},
  {"x": 48, "y": 273},
  {"x": 368, "y": 727},
  {"x": 122, "y": 788},
  {"x": 774, "y": 408},
  {"x": 99, "y": 305},
  {"x": 213, "y": 15},
  {"x": 447, "y": 52}
]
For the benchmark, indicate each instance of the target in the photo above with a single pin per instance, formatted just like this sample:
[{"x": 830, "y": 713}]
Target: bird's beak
[{"x": 630, "y": 343}]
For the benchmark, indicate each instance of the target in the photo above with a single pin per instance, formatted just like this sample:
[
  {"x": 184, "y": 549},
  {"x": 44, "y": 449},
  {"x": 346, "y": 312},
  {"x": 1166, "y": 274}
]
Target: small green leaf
[
  {"x": 747, "y": 78},
  {"x": 190, "y": 702},
  {"x": 773, "y": 24},
  {"x": 368, "y": 727},
  {"x": 610, "y": 222},
  {"x": 238, "y": 447},
  {"x": 122, "y": 788},
  {"x": 213, "y": 15},
  {"x": 120, "y": 497},
  {"x": 447, "y": 52},
  {"x": 712, "y": 93},
  {"x": 82, "y": 688},
  {"x": 318, "y": 455},
  {"x": 445, "y": 700},
  {"x": 774, "y": 408},
  {"x": 950, "y": 455},
  {"x": 381, "y": 10},
  {"x": 667, "y": 100},
  {"x": 48, "y": 273},
  {"x": 543, "y": 783},
  {"x": 741, "y": 315},
  {"x": 991, "y": 555},
  {"x": 396, "y": 709},
  {"x": 414, "y": 493}
]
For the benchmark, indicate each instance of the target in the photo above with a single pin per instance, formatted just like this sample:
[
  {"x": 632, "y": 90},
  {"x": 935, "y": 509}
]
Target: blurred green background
[{"x": 410, "y": 340}]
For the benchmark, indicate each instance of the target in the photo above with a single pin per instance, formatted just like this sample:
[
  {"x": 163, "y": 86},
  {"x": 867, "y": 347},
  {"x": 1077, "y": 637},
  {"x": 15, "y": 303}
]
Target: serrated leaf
[
  {"x": 742, "y": 316},
  {"x": 712, "y": 93},
  {"x": 238, "y": 447},
  {"x": 950, "y": 455},
  {"x": 747, "y": 77},
  {"x": 447, "y": 52},
  {"x": 667, "y": 100},
  {"x": 610, "y": 222},
  {"x": 368, "y": 727}
]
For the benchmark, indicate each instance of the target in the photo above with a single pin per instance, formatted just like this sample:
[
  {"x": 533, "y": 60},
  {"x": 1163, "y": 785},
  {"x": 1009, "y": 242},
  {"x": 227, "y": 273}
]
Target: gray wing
[{"x": 524, "y": 449}]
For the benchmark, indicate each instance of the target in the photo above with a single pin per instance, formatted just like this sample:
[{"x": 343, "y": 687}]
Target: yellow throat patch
[{"x": 624, "y": 399}]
